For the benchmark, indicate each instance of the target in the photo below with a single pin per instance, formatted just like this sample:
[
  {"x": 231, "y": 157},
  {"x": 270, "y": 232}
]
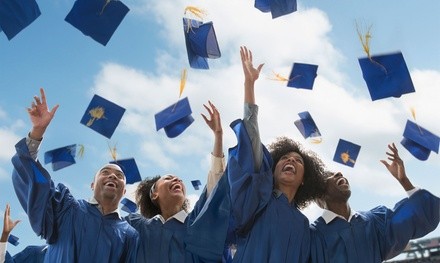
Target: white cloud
[{"x": 8, "y": 139}]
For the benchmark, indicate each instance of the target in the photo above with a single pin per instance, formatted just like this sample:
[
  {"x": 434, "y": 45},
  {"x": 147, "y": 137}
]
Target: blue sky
[{"x": 140, "y": 67}]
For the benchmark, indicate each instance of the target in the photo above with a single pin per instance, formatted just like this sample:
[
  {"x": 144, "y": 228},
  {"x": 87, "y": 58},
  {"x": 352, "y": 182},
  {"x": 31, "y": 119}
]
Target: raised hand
[
  {"x": 396, "y": 167},
  {"x": 251, "y": 74},
  {"x": 214, "y": 121},
  {"x": 40, "y": 115},
  {"x": 8, "y": 224}
]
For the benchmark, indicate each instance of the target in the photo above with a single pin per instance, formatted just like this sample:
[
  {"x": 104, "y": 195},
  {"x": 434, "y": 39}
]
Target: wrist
[{"x": 4, "y": 237}]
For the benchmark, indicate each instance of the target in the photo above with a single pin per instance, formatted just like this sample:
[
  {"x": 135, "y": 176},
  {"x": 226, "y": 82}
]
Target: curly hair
[
  {"x": 147, "y": 207},
  {"x": 314, "y": 183}
]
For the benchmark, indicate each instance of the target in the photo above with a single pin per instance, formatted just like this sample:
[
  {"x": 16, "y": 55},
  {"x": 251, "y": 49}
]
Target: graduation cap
[
  {"x": 346, "y": 153},
  {"x": 13, "y": 240},
  {"x": 98, "y": 19},
  {"x": 201, "y": 43},
  {"x": 302, "y": 76},
  {"x": 307, "y": 126},
  {"x": 175, "y": 119},
  {"x": 103, "y": 116},
  {"x": 15, "y": 15},
  {"x": 196, "y": 184},
  {"x": 276, "y": 7},
  {"x": 61, "y": 157},
  {"x": 128, "y": 206},
  {"x": 130, "y": 170},
  {"x": 386, "y": 75},
  {"x": 419, "y": 141}
]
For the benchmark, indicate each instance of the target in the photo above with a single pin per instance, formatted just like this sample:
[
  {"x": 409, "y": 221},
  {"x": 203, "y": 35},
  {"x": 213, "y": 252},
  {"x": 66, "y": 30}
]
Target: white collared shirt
[
  {"x": 329, "y": 216},
  {"x": 93, "y": 201},
  {"x": 179, "y": 216}
]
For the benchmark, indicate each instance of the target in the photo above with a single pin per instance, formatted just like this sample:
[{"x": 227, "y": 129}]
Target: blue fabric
[
  {"x": 16, "y": 15},
  {"x": 276, "y": 7},
  {"x": 75, "y": 230},
  {"x": 200, "y": 238},
  {"x": 31, "y": 254},
  {"x": 375, "y": 235},
  {"x": 268, "y": 228}
]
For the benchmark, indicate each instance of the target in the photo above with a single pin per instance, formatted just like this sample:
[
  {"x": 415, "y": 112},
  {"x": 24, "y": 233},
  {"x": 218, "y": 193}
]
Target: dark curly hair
[
  {"x": 147, "y": 207},
  {"x": 314, "y": 182}
]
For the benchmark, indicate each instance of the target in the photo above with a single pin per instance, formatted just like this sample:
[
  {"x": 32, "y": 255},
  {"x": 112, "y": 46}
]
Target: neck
[
  {"x": 168, "y": 211},
  {"x": 342, "y": 208},
  {"x": 290, "y": 192},
  {"x": 107, "y": 206}
]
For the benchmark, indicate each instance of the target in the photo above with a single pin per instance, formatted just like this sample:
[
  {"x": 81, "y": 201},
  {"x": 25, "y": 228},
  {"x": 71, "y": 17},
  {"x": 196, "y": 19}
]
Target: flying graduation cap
[
  {"x": 200, "y": 39},
  {"x": 98, "y": 19},
  {"x": 307, "y": 126},
  {"x": 346, "y": 153},
  {"x": 15, "y": 15},
  {"x": 130, "y": 169},
  {"x": 175, "y": 119},
  {"x": 276, "y": 7},
  {"x": 13, "y": 240},
  {"x": 128, "y": 206},
  {"x": 419, "y": 141},
  {"x": 386, "y": 75},
  {"x": 62, "y": 157},
  {"x": 302, "y": 76},
  {"x": 102, "y": 116},
  {"x": 196, "y": 184}
]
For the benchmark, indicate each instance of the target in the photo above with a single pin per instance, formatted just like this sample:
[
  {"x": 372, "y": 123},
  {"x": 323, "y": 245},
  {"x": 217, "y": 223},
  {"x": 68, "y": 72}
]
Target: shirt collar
[
  {"x": 179, "y": 216},
  {"x": 329, "y": 216},
  {"x": 93, "y": 201}
]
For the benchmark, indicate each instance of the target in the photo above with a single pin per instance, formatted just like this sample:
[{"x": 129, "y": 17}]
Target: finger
[
  {"x": 54, "y": 109},
  {"x": 208, "y": 109},
  {"x": 43, "y": 95},
  {"x": 250, "y": 55},
  {"x": 260, "y": 67},
  {"x": 8, "y": 209},
  {"x": 16, "y": 222},
  {"x": 37, "y": 99},
  {"x": 385, "y": 163},
  {"x": 204, "y": 117}
]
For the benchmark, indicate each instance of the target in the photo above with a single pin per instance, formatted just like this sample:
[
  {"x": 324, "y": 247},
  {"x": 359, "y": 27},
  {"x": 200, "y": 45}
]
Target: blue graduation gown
[
  {"x": 200, "y": 238},
  {"x": 375, "y": 235},
  {"x": 31, "y": 254},
  {"x": 75, "y": 230},
  {"x": 268, "y": 228}
]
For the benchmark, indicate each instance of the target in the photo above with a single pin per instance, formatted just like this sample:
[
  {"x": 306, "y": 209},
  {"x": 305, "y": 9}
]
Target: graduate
[
  {"x": 268, "y": 188},
  {"x": 344, "y": 235},
  {"x": 75, "y": 230},
  {"x": 168, "y": 233}
]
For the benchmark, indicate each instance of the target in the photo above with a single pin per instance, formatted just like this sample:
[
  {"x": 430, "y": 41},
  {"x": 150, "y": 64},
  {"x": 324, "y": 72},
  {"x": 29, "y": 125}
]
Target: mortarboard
[
  {"x": 61, "y": 157},
  {"x": 196, "y": 184},
  {"x": 346, "y": 153},
  {"x": 128, "y": 206},
  {"x": 15, "y": 15},
  {"x": 307, "y": 126},
  {"x": 13, "y": 240},
  {"x": 130, "y": 170},
  {"x": 175, "y": 119},
  {"x": 276, "y": 7},
  {"x": 419, "y": 141},
  {"x": 201, "y": 43},
  {"x": 386, "y": 75},
  {"x": 103, "y": 116},
  {"x": 98, "y": 19},
  {"x": 302, "y": 76}
]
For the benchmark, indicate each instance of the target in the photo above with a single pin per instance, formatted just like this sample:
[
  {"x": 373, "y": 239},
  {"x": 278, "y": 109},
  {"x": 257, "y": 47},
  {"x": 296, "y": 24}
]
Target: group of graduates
[{"x": 249, "y": 211}]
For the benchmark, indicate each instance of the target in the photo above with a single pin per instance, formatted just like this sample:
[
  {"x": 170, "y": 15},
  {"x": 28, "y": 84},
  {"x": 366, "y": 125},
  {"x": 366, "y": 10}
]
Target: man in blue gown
[
  {"x": 75, "y": 230},
  {"x": 343, "y": 235}
]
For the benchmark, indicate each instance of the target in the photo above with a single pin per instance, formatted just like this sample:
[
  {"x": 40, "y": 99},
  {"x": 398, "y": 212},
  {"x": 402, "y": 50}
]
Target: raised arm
[
  {"x": 218, "y": 162},
  {"x": 397, "y": 168},
  {"x": 251, "y": 74}
]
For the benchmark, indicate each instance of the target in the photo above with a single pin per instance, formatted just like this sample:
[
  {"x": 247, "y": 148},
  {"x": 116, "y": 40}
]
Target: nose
[
  {"x": 176, "y": 179},
  {"x": 338, "y": 174}
]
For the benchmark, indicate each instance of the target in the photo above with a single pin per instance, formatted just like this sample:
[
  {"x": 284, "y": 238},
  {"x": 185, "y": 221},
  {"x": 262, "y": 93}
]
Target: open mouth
[
  {"x": 289, "y": 168},
  {"x": 176, "y": 187},
  {"x": 342, "y": 181},
  {"x": 110, "y": 184}
]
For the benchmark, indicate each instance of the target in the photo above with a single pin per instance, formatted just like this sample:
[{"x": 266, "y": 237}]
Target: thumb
[{"x": 260, "y": 67}]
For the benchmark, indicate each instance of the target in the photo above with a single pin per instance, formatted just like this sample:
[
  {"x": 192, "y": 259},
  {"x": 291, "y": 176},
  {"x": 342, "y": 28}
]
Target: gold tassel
[
  {"x": 112, "y": 151},
  {"x": 105, "y": 5},
  {"x": 81, "y": 148},
  {"x": 278, "y": 77},
  {"x": 183, "y": 78},
  {"x": 413, "y": 113},
  {"x": 96, "y": 113},
  {"x": 365, "y": 41},
  {"x": 200, "y": 13}
]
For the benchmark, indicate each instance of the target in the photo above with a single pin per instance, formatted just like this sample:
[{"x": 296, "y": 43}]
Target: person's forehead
[
  {"x": 295, "y": 154},
  {"x": 111, "y": 166}
]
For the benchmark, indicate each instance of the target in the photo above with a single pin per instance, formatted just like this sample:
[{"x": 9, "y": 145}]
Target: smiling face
[
  {"x": 109, "y": 184},
  {"x": 289, "y": 171},
  {"x": 169, "y": 189},
  {"x": 337, "y": 189}
]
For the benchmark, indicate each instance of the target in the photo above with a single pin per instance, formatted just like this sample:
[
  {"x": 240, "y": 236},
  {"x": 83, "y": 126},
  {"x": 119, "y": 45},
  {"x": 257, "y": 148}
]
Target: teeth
[{"x": 289, "y": 167}]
